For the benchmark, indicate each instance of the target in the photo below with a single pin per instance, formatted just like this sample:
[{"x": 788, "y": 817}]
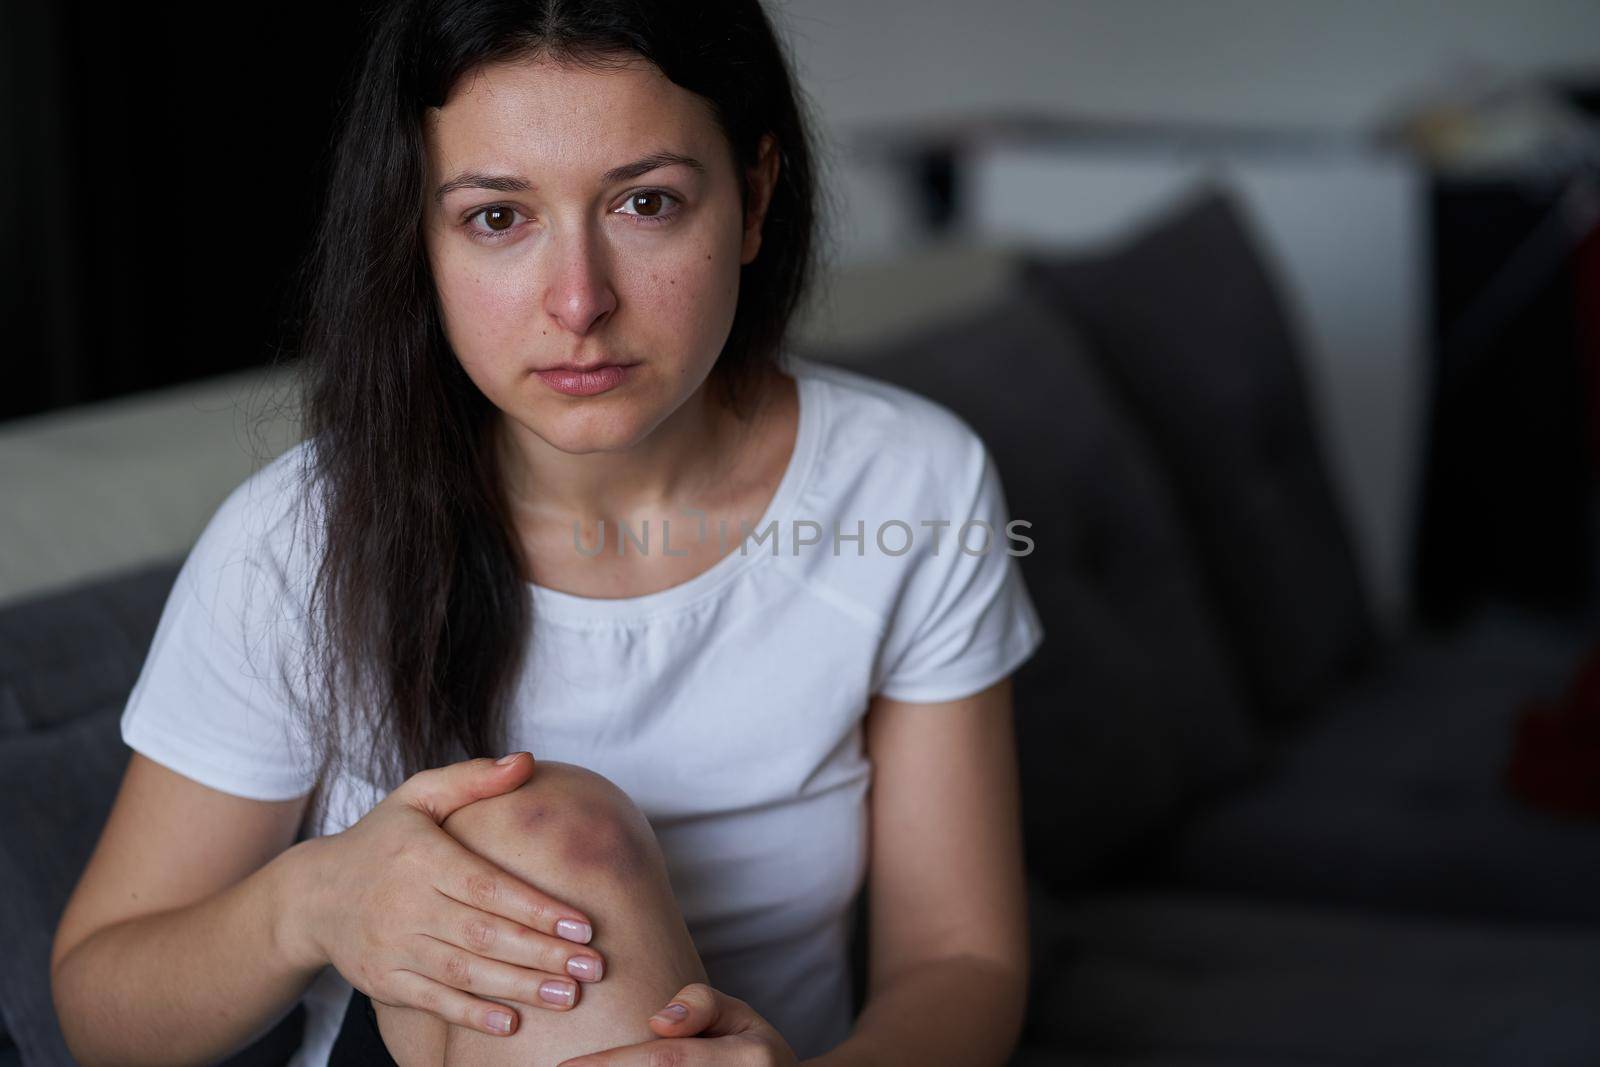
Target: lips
[{"x": 586, "y": 381}]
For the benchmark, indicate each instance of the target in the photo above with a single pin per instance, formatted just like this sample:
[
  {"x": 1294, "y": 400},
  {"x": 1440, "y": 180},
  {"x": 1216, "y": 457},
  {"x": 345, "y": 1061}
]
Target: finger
[
  {"x": 460, "y": 969},
  {"x": 496, "y": 938},
  {"x": 469, "y": 878},
  {"x": 443, "y": 790},
  {"x": 707, "y": 1012},
  {"x": 407, "y": 989}
]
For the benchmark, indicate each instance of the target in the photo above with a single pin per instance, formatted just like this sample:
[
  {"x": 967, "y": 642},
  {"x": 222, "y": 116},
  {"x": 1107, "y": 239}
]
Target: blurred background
[{"x": 1307, "y": 296}]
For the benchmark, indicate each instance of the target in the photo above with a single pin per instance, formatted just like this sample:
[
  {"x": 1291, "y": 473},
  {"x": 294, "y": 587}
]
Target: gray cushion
[
  {"x": 58, "y": 779},
  {"x": 1396, "y": 798},
  {"x": 56, "y": 787},
  {"x": 1128, "y": 711},
  {"x": 64, "y": 653},
  {"x": 1188, "y": 326},
  {"x": 1168, "y": 979}
]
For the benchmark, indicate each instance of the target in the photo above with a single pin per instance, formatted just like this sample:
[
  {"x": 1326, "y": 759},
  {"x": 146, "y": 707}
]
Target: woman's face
[{"x": 556, "y": 263}]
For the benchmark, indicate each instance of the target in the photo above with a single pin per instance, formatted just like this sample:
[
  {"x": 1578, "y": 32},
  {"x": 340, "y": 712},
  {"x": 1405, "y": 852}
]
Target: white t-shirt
[{"x": 729, "y": 707}]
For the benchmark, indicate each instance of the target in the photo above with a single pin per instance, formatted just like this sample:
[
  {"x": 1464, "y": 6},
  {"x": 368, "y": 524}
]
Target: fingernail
[
  {"x": 557, "y": 992},
  {"x": 673, "y": 1013},
  {"x": 507, "y": 760},
  {"x": 573, "y": 930},
  {"x": 500, "y": 1022},
  {"x": 585, "y": 967}
]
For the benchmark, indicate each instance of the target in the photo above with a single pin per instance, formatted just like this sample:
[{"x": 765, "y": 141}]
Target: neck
[{"x": 682, "y": 457}]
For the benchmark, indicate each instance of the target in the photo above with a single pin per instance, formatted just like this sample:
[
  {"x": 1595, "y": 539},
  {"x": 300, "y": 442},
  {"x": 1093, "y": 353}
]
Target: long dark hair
[{"x": 418, "y": 611}]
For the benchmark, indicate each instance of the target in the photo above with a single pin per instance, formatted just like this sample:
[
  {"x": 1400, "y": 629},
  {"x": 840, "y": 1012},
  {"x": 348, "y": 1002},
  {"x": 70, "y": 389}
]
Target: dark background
[{"x": 162, "y": 165}]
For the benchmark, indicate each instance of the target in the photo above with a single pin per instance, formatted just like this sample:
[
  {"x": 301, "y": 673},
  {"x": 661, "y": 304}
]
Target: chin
[{"x": 577, "y": 432}]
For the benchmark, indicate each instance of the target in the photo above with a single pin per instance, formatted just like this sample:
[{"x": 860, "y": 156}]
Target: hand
[
  {"x": 413, "y": 918},
  {"x": 716, "y": 1028}
]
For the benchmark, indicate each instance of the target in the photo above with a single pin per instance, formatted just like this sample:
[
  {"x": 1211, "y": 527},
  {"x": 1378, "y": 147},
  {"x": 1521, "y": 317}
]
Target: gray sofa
[{"x": 1259, "y": 830}]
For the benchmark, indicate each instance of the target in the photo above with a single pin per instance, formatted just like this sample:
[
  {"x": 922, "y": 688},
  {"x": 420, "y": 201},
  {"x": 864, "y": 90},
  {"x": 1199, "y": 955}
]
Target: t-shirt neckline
[{"x": 552, "y": 604}]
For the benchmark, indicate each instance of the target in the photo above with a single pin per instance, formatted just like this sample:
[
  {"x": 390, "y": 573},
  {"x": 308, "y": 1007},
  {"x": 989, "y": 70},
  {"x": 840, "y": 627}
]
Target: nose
[{"x": 580, "y": 293}]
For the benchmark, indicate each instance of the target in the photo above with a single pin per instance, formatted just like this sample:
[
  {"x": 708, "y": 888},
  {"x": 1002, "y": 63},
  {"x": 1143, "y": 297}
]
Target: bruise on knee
[
  {"x": 573, "y": 818},
  {"x": 608, "y": 841}
]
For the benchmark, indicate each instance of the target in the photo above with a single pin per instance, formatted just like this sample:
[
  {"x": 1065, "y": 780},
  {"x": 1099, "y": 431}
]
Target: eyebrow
[{"x": 511, "y": 183}]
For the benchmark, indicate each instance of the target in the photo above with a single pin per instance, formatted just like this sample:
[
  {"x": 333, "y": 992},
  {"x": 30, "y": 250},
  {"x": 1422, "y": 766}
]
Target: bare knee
[{"x": 580, "y": 838}]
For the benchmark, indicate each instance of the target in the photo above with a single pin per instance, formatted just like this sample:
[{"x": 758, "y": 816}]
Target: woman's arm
[
  {"x": 948, "y": 949},
  {"x": 169, "y": 950},
  {"x": 197, "y": 922}
]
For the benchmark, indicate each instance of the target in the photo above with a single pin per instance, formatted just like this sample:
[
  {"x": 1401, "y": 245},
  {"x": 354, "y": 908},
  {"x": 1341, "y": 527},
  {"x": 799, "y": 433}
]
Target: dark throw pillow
[{"x": 1186, "y": 324}]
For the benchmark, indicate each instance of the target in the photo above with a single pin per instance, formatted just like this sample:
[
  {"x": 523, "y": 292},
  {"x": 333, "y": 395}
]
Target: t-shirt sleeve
[
  {"x": 213, "y": 700},
  {"x": 965, "y": 619}
]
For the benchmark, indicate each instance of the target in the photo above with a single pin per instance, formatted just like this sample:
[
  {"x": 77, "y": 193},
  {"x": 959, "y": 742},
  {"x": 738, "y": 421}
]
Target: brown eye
[
  {"x": 653, "y": 207},
  {"x": 496, "y": 225}
]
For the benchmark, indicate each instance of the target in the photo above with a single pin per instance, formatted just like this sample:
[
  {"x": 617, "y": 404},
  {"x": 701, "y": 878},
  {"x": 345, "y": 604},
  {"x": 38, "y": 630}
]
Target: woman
[{"x": 547, "y": 307}]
